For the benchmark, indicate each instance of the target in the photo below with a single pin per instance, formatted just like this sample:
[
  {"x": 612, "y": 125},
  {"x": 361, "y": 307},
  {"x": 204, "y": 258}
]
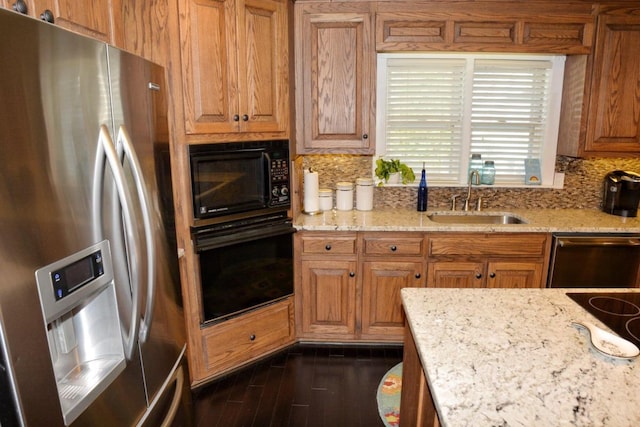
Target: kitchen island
[{"x": 509, "y": 357}]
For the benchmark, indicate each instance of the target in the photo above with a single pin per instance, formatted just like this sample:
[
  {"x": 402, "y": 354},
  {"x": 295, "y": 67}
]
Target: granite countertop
[
  {"x": 511, "y": 357},
  {"x": 537, "y": 220}
]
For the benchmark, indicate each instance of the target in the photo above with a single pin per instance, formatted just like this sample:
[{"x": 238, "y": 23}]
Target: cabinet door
[
  {"x": 336, "y": 76},
  {"x": 328, "y": 298},
  {"x": 94, "y": 18},
  {"x": 209, "y": 70},
  {"x": 514, "y": 275},
  {"x": 382, "y": 313},
  {"x": 445, "y": 274},
  {"x": 263, "y": 75},
  {"x": 614, "y": 108}
]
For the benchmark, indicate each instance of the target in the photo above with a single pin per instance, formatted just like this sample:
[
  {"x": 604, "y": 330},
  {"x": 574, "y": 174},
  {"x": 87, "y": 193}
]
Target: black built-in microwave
[{"x": 239, "y": 177}]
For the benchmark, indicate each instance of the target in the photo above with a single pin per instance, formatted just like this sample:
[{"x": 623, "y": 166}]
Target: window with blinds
[{"x": 437, "y": 109}]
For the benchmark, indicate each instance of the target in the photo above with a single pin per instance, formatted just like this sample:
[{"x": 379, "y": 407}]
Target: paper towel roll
[{"x": 311, "y": 194}]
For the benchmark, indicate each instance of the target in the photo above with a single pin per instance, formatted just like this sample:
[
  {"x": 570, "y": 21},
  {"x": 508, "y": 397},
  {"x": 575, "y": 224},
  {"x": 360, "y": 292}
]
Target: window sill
[{"x": 558, "y": 184}]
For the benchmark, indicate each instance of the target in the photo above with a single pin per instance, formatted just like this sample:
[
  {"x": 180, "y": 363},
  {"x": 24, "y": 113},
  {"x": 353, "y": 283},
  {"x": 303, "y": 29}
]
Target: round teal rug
[{"x": 388, "y": 396}]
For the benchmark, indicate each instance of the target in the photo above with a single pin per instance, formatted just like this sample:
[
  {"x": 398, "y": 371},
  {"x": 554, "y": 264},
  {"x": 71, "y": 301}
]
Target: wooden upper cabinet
[
  {"x": 235, "y": 65},
  {"x": 565, "y": 27},
  {"x": 99, "y": 19},
  {"x": 601, "y": 96},
  {"x": 614, "y": 110},
  {"x": 335, "y": 74}
]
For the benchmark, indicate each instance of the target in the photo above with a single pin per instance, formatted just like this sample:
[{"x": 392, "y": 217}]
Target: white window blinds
[{"x": 437, "y": 109}]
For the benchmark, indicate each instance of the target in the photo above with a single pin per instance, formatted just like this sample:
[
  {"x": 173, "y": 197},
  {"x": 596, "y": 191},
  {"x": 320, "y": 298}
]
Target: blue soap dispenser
[{"x": 423, "y": 191}]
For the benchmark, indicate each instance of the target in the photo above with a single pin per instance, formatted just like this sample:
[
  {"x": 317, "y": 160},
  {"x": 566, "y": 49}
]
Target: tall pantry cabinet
[{"x": 229, "y": 72}]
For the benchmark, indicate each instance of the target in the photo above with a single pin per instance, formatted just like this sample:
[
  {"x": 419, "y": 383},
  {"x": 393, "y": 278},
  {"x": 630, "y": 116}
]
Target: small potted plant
[{"x": 393, "y": 171}]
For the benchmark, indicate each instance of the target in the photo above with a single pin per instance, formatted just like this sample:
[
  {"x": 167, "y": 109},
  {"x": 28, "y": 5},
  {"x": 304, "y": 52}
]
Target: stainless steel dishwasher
[{"x": 594, "y": 261}]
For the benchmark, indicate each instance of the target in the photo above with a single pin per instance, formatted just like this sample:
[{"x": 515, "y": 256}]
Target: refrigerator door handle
[
  {"x": 124, "y": 141},
  {"x": 178, "y": 376},
  {"x": 106, "y": 151}
]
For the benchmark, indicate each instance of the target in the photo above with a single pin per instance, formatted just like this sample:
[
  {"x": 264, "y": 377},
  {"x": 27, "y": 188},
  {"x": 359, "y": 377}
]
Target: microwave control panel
[
  {"x": 278, "y": 155},
  {"x": 279, "y": 181}
]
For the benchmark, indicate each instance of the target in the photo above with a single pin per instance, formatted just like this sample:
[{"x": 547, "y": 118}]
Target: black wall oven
[
  {"x": 244, "y": 236},
  {"x": 244, "y": 266}
]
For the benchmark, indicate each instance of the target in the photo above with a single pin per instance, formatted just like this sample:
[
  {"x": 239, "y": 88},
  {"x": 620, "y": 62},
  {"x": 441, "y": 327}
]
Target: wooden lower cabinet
[
  {"x": 382, "y": 314},
  {"x": 506, "y": 260},
  {"x": 328, "y": 299},
  {"x": 509, "y": 274},
  {"x": 347, "y": 284},
  {"x": 241, "y": 340},
  {"x": 325, "y": 285},
  {"x": 498, "y": 274},
  {"x": 454, "y": 274}
]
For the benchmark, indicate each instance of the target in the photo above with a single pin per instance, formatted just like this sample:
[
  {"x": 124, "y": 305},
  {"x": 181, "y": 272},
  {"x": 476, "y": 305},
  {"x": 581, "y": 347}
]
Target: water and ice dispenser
[{"x": 78, "y": 300}]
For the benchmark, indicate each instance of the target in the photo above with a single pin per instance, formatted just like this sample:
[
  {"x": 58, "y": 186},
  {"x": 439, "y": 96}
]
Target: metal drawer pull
[
  {"x": 328, "y": 247},
  {"x": 393, "y": 248}
]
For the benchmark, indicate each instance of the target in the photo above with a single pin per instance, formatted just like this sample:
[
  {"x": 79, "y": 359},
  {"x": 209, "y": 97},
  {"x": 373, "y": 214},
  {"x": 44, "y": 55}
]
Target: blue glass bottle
[{"x": 423, "y": 191}]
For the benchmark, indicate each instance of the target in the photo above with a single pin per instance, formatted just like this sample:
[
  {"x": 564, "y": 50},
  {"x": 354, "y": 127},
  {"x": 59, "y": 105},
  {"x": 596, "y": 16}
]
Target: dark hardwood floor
[{"x": 304, "y": 385}]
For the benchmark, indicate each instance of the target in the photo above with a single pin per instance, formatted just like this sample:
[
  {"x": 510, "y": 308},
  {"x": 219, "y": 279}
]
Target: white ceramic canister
[
  {"x": 344, "y": 196},
  {"x": 326, "y": 199},
  {"x": 364, "y": 194}
]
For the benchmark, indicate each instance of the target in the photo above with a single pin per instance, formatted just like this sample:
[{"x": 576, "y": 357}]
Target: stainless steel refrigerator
[{"x": 91, "y": 320}]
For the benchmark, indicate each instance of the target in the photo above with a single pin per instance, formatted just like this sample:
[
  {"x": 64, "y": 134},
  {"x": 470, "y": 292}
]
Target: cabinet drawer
[
  {"x": 245, "y": 338},
  {"x": 329, "y": 244},
  {"x": 393, "y": 245},
  {"x": 529, "y": 245}
]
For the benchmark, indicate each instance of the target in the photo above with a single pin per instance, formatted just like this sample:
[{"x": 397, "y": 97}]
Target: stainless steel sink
[{"x": 476, "y": 218}]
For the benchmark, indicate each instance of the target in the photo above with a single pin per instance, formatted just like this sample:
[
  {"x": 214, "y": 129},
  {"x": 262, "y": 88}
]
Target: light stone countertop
[
  {"x": 510, "y": 357},
  {"x": 537, "y": 220}
]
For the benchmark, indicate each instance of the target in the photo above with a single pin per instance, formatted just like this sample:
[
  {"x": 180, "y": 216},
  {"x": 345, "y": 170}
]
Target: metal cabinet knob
[
  {"x": 418, "y": 275},
  {"x": 328, "y": 247},
  {"x": 492, "y": 275},
  {"x": 236, "y": 118},
  {"x": 245, "y": 118},
  {"x": 478, "y": 275},
  {"x": 20, "y": 6},
  {"x": 352, "y": 274},
  {"x": 393, "y": 248},
  {"x": 47, "y": 15},
  {"x": 365, "y": 136},
  {"x": 252, "y": 337}
]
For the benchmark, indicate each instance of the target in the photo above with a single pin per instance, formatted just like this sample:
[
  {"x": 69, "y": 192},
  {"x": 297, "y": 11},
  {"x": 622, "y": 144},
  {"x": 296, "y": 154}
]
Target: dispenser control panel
[{"x": 73, "y": 276}]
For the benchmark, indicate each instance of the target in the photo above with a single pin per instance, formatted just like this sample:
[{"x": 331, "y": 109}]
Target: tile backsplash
[{"x": 582, "y": 184}]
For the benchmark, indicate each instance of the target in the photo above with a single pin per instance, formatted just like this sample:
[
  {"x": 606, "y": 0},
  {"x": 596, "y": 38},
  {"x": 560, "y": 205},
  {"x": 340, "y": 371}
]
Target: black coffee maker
[{"x": 621, "y": 193}]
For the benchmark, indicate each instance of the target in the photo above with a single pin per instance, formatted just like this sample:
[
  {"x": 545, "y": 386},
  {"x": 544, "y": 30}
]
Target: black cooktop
[{"x": 620, "y": 311}]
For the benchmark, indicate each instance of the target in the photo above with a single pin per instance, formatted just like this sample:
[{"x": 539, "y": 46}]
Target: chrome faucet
[{"x": 473, "y": 173}]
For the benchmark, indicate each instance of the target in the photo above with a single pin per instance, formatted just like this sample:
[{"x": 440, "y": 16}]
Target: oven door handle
[
  {"x": 565, "y": 243},
  {"x": 214, "y": 240}
]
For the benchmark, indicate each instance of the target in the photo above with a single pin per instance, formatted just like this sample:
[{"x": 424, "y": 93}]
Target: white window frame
[{"x": 551, "y": 131}]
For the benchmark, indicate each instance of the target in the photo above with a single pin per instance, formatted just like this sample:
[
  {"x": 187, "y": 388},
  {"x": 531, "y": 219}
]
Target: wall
[{"x": 582, "y": 184}]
